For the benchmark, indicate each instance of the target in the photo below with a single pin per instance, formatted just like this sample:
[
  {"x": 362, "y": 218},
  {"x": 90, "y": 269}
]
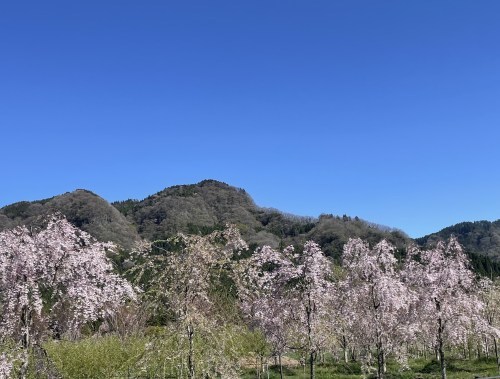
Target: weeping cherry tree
[{"x": 58, "y": 278}]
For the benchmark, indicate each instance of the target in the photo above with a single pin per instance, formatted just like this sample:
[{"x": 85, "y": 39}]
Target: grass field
[
  {"x": 419, "y": 368},
  {"x": 111, "y": 357}
]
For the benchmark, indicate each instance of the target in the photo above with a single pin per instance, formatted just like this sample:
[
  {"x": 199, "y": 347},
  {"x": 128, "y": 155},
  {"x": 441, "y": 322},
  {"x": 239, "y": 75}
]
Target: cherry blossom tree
[
  {"x": 345, "y": 318},
  {"x": 378, "y": 297},
  {"x": 6, "y": 365},
  {"x": 265, "y": 304},
  {"x": 449, "y": 306},
  {"x": 180, "y": 273},
  {"x": 490, "y": 295},
  {"x": 296, "y": 287},
  {"x": 58, "y": 276},
  {"x": 316, "y": 293}
]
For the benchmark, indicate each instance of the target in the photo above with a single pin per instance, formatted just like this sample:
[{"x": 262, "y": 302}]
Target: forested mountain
[
  {"x": 210, "y": 204},
  {"x": 82, "y": 208},
  {"x": 482, "y": 237},
  {"x": 481, "y": 240}
]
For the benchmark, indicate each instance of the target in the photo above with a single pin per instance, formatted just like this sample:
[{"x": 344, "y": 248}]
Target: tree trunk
[
  {"x": 496, "y": 353},
  {"x": 441, "y": 348},
  {"x": 379, "y": 343},
  {"x": 312, "y": 353},
  {"x": 25, "y": 341},
  {"x": 24, "y": 365},
  {"x": 345, "y": 348},
  {"x": 385, "y": 363},
  {"x": 190, "y": 333},
  {"x": 281, "y": 366},
  {"x": 380, "y": 361},
  {"x": 312, "y": 370},
  {"x": 353, "y": 355},
  {"x": 380, "y": 349}
]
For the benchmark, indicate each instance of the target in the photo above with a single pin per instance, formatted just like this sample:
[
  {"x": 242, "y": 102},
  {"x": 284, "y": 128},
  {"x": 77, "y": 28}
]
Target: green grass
[
  {"x": 111, "y": 357},
  {"x": 105, "y": 357},
  {"x": 419, "y": 369}
]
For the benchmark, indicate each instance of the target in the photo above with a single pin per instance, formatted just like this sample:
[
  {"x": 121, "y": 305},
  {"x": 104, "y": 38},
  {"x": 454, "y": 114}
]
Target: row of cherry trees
[
  {"x": 56, "y": 280},
  {"x": 375, "y": 304}
]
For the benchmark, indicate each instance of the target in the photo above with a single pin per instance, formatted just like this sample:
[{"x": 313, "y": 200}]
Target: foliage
[
  {"x": 379, "y": 301},
  {"x": 219, "y": 351},
  {"x": 480, "y": 238},
  {"x": 201, "y": 208},
  {"x": 104, "y": 357},
  {"x": 177, "y": 278},
  {"x": 449, "y": 305},
  {"x": 82, "y": 208},
  {"x": 289, "y": 297},
  {"x": 56, "y": 279},
  {"x": 215, "y": 310},
  {"x": 207, "y": 206}
]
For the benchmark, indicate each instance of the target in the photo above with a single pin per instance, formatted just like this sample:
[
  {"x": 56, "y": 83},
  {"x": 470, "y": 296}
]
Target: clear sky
[{"x": 386, "y": 110}]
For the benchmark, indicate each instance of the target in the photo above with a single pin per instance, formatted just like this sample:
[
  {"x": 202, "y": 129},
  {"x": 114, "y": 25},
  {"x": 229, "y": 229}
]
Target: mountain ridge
[
  {"x": 83, "y": 208},
  {"x": 480, "y": 237},
  {"x": 210, "y": 204}
]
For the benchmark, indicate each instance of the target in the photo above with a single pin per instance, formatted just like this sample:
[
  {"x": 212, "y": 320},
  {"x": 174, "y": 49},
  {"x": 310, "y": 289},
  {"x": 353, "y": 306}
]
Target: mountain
[
  {"x": 82, "y": 208},
  {"x": 190, "y": 208},
  {"x": 196, "y": 208},
  {"x": 480, "y": 239},
  {"x": 210, "y": 204}
]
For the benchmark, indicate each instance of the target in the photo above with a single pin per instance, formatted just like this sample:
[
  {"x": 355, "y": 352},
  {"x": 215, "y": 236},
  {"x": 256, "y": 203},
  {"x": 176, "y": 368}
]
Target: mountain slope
[
  {"x": 82, "y": 208},
  {"x": 209, "y": 205},
  {"x": 480, "y": 237},
  {"x": 189, "y": 208},
  {"x": 199, "y": 208}
]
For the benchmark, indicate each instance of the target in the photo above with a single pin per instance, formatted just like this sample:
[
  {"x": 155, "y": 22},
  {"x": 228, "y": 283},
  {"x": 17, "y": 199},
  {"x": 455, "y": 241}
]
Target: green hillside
[
  {"x": 481, "y": 240},
  {"x": 82, "y": 208},
  {"x": 208, "y": 205}
]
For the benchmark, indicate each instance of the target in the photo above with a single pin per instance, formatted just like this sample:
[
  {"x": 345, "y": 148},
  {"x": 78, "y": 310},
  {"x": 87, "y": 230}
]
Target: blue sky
[{"x": 386, "y": 110}]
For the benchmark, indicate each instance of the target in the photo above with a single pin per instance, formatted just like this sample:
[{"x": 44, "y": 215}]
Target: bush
[{"x": 103, "y": 357}]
